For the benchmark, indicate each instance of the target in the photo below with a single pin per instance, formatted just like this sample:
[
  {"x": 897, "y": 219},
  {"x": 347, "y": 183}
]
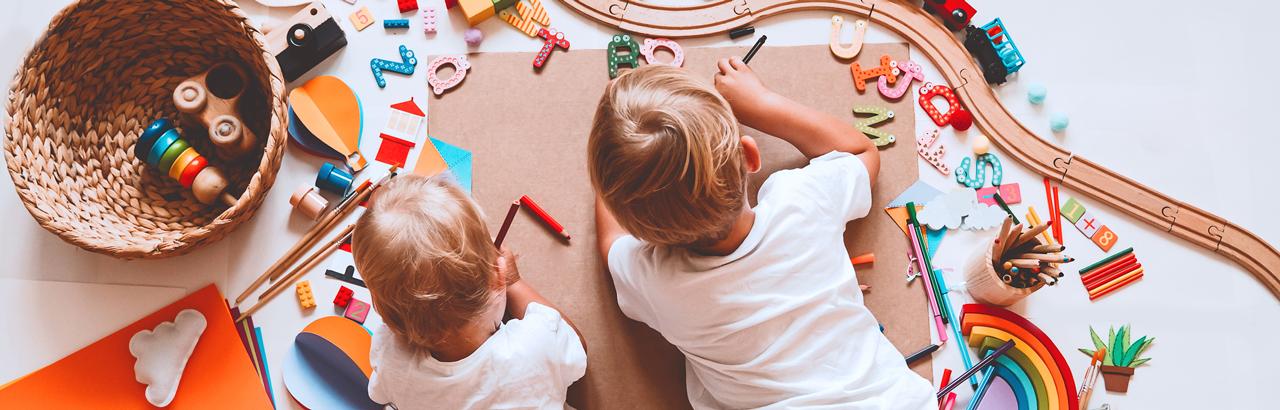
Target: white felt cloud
[
  {"x": 162, "y": 354},
  {"x": 948, "y": 210},
  {"x": 984, "y": 217}
]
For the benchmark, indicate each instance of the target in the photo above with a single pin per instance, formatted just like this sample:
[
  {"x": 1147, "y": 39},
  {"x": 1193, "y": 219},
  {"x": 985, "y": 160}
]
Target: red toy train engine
[{"x": 955, "y": 14}]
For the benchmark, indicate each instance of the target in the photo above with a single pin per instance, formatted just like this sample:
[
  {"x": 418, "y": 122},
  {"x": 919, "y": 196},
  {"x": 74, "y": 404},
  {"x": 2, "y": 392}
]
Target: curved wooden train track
[{"x": 952, "y": 60}]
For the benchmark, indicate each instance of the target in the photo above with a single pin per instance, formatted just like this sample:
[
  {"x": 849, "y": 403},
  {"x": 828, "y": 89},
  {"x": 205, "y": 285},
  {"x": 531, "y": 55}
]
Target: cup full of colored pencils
[{"x": 1017, "y": 263}]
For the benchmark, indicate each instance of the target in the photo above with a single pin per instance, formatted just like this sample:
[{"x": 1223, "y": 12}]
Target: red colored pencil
[
  {"x": 1053, "y": 209},
  {"x": 1057, "y": 217},
  {"x": 1125, "y": 283},
  {"x": 544, "y": 216},
  {"x": 506, "y": 223},
  {"x": 1124, "y": 264},
  {"x": 1098, "y": 281},
  {"x": 1103, "y": 275}
]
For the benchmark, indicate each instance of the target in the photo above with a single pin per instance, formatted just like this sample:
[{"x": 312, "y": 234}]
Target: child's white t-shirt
[
  {"x": 780, "y": 322},
  {"x": 528, "y": 364}
]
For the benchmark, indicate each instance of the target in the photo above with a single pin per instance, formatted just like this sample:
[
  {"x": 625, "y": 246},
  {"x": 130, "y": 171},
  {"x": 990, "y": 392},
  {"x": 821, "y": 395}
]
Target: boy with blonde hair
[
  {"x": 762, "y": 301},
  {"x": 442, "y": 290}
]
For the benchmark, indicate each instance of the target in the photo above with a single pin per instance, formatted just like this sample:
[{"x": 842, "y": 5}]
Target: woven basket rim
[{"x": 219, "y": 226}]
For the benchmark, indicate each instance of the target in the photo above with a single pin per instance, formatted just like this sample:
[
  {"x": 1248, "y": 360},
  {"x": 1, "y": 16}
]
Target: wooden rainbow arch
[
  {"x": 1180, "y": 219},
  {"x": 1034, "y": 367}
]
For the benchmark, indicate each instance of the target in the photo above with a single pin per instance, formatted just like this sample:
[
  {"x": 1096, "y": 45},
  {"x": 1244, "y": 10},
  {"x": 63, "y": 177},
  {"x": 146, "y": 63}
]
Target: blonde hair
[
  {"x": 665, "y": 154},
  {"x": 425, "y": 253}
]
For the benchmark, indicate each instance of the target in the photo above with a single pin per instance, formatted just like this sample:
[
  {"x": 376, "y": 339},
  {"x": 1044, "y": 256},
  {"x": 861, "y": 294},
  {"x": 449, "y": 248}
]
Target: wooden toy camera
[
  {"x": 305, "y": 40},
  {"x": 213, "y": 98}
]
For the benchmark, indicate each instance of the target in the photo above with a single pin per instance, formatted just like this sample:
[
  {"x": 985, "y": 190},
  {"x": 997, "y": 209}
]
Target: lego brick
[
  {"x": 407, "y": 5},
  {"x": 476, "y": 11},
  {"x": 343, "y": 297},
  {"x": 306, "y": 299},
  {"x": 1105, "y": 238},
  {"x": 357, "y": 310},
  {"x": 429, "y": 20},
  {"x": 1072, "y": 210},
  {"x": 395, "y": 23},
  {"x": 361, "y": 19}
]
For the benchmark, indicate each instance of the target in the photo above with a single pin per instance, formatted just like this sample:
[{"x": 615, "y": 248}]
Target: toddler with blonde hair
[
  {"x": 762, "y": 301},
  {"x": 443, "y": 291}
]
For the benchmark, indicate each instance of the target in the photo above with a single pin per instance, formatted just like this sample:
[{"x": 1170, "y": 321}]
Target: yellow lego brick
[
  {"x": 476, "y": 10},
  {"x": 306, "y": 299}
]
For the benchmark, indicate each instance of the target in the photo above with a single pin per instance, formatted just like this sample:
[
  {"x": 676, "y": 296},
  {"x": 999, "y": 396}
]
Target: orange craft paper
[
  {"x": 218, "y": 375},
  {"x": 331, "y": 111},
  {"x": 348, "y": 336},
  {"x": 429, "y": 161}
]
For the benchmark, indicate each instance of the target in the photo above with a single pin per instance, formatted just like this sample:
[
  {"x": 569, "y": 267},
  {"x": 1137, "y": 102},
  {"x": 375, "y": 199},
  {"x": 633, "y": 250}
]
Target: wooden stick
[
  {"x": 1030, "y": 234},
  {"x": 325, "y": 225},
  {"x": 314, "y": 260},
  {"x": 1048, "y": 248},
  {"x": 999, "y": 250},
  {"x": 1007, "y": 241}
]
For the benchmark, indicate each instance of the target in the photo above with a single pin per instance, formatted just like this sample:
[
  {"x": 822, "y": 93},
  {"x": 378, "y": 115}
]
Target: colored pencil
[
  {"x": 946, "y": 377},
  {"x": 1057, "y": 220},
  {"x": 1030, "y": 234},
  {"x": 999, "y": 245},
  {"x": 506, "y": 223},
  {"x": 920, "y": 354},
  {"x": 863, "y": 259},
  {"x": 1116, "y": 284},
  {"x": 1048, "y": 248},
  {"x": 1003, "y": 205},
  {"x": 982, "y": 390},
  {"x": 914, "y": 223},
  {"x": 754, "y": 48},
  {"x": 1047, "y": 257},
  {"x": 544, "y": 216},
  {"x": 934, "y": 305},
  {"x": 1123, "y": 264},
  {"x": 1105, "y": 260},
  {"x": 982, "y": 365}
]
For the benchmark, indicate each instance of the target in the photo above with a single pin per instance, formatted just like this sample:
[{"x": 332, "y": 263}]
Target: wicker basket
[{"x": 104, "y": 70}]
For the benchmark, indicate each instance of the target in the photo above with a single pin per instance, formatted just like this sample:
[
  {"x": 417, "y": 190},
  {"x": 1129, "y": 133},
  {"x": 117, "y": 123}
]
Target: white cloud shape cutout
[
  {"x": 984, "y": 217},
  {"x": 162, "y": 354},
  {"x": 948, "y": 210}
]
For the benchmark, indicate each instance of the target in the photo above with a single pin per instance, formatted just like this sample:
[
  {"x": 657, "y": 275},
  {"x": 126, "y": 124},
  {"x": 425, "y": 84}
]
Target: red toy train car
[{"x": 955, "y": 14}]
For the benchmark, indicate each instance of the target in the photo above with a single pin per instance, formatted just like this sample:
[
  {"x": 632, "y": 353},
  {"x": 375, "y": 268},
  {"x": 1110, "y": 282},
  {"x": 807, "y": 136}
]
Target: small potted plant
[{"x": 1121, "y": 358}]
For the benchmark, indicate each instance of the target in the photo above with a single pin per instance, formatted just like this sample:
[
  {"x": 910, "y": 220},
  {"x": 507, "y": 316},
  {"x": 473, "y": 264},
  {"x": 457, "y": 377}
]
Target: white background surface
[{"x": 1172, "y": 94}]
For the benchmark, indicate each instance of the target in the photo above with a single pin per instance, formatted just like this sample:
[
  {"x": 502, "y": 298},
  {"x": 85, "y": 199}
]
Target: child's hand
[
  {"x": 748, "y": 97},
  {"x": 507, "y": 266}
]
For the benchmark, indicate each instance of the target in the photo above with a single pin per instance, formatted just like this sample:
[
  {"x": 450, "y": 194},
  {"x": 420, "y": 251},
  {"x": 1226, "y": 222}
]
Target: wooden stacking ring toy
[{"x": 173, "y": 156}]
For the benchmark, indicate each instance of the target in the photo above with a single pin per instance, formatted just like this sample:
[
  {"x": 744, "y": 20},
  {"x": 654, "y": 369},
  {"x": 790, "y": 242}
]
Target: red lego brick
[
  {"x": 343, "y": 297},
  {"x": 407, "y": 5}
]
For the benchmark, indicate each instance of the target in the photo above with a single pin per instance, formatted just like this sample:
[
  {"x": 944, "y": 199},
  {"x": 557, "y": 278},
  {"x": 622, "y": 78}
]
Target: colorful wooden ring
[
  {"x": 306, "y": 200},
  {"x": 651, "y": 46},
  {"x": 162, "y": 145},
  {"x": 191, "y": 170},
  {"x": 170, "y": 155},
  {"x": 334, "y": 179},
  {"x": 181, "y": 163},
  {"x": 149, "y": 136},
  {"x": 460, "y": 66}
]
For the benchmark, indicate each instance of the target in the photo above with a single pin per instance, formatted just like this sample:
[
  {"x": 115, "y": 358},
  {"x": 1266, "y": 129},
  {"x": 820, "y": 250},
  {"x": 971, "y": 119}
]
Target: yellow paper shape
[{"x": 329, "y": 108}]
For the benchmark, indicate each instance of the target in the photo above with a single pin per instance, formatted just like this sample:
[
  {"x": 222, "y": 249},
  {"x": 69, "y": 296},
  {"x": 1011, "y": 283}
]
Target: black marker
[
  {"x": 921, "y": 354},
  {"x": 754, "y": 49}
]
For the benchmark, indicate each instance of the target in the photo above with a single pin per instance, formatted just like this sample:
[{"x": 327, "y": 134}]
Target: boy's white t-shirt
[
  {"x": 527, "y": 364},
  {"x": 780, "y": 322}
]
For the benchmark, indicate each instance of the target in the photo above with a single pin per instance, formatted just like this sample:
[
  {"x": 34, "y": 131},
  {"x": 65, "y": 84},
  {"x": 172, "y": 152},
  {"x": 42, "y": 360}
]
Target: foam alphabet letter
[{"x": 620, "y": 42}]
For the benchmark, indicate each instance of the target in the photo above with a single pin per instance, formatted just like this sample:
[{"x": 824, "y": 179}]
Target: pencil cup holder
[{"x": 984, "y": 282}]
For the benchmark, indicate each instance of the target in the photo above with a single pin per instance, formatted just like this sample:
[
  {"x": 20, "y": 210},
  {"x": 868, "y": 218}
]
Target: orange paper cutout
[
  {"x": 429, "y": 161},
  {"x": 348, "y": 336},
  {"x": 331, "y": 111},
  {"x": 218, "y": 375}
]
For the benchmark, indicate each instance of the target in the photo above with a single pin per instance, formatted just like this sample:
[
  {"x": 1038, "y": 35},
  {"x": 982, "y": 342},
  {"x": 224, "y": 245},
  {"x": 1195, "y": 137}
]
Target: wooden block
[
  {"x": 1088, "y": 225},
  {"x": 1072, "y": 210},
  {"x": 357, "y": 310},
  {"x": 306, "y": 299},
  {"x": 1105, "y": 238},
  {"x": 361, "y": 19},
  {"x": 476, "y": 10},
  {"x": 1011, "y": 194}
]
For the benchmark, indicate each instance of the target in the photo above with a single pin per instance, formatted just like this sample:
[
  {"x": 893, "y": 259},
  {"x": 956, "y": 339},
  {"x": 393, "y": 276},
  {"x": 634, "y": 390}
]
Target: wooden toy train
[{"x": 991, "y": 44}]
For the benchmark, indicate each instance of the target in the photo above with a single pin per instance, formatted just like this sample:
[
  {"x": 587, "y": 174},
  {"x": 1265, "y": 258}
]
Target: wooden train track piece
[{"x": 950, "y": 57}]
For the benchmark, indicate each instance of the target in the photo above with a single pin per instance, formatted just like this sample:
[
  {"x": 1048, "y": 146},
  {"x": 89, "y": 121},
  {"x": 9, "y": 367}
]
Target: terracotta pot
[{"x": 1116, "y": 378}]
